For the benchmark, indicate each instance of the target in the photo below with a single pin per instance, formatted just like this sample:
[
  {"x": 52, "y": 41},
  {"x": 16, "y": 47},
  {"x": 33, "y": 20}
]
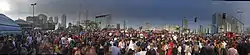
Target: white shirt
[
  {"x": 111, "y": 42},
  {"x": 179, "y": 49},
  {"x": 69, "y": 40},
  {"x": 63, "y": 40},
  {"x": 122, "y": 44},
  {"x": 224, "y": 44},
  {"x": 188, "y": 50},
  {"x": 162, "y": 35},
  {"x": 142, "y": 52},
  {"x": 131, "y": 45},
  {"x": 115, "y": 39},
  {"x": 175, "y": 37},
  {"x": 110, "y": 34},
  {"x": 166, "y": 47}
]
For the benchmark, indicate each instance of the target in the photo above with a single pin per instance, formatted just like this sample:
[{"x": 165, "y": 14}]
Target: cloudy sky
[
  {"x": 231, "y": 7},
  {"x": 136, "y": 12}
]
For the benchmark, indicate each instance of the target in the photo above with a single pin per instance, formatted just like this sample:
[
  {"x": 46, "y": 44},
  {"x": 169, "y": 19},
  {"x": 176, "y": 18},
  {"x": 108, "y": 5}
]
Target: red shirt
[{"x": 171, "y": 45}]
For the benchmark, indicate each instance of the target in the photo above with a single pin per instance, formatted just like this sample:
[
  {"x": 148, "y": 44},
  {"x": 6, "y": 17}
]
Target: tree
[{"x": 90, "y": 25}]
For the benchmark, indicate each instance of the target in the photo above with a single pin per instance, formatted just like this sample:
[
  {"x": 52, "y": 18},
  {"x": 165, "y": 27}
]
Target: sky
[
  {"x": 136, "y": 12},
  {"x": 231, "y": 8}
]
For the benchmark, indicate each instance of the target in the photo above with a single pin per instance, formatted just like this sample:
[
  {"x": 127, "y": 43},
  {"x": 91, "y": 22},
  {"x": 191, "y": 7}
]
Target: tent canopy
[{"x": 8, "y": 26}]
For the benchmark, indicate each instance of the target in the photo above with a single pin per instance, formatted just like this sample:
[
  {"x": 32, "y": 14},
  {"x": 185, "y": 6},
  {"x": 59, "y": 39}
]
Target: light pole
[{"x": 33, "y": 6}]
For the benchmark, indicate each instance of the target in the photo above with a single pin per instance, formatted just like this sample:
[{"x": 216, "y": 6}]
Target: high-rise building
[
  {"x": 55, "y": 19},
  {"x": 104, "y": 20},
  {"x": 43, "y": 17},
  {"x": 41, "y": 22},
  {"x": 36, "y": 22},
  {"x": 222, "y": 22},
  {"x": 218, "y": 23},
  {"x": 50, "y": 20},
  {"x": 63, "y": 21},
  {"x": 29, "y": 19},
  {"x": 77, "y": 22},
  {"x": 118, "y": 26}
]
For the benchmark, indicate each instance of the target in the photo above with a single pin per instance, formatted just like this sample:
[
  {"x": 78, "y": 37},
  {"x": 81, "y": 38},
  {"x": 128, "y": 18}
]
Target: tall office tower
[
  {"x": 55, "y": 19},
  {"x": 218, "y": 23},
  {"x": 63, "y": 21},
  {"x": 118, "y": 26}
]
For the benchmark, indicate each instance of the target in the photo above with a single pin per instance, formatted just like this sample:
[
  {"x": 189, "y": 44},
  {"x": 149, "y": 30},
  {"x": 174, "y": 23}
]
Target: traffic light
[
  {"x": 224, "y": 16},
  {"x": 195, "y": 19},
  {"x": 177, "y": 28}
]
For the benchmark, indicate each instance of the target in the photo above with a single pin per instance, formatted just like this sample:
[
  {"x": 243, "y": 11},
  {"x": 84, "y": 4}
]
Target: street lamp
[{"x": 33, "y": 5}]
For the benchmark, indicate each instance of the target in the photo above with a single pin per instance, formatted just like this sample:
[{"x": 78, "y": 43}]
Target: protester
[{"x": 129, "y": 43}]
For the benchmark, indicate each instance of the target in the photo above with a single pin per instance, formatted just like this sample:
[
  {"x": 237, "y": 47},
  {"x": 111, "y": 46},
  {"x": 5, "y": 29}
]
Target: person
[
  {"x": 23, "y": 50},
  {"x": 188, "y": 49},
  {"x": 30, "y": 39},
  {"x": 57, "y": 50},
  {"x": 141, "y": 52},
  {"x": 203, "y": 50},
  {"x": 171, "y": 45},
  {"x": 77, "y": 52},
  {"x": 151, "y": 50},
  {"x": 91, "y": 51},
  {"x": 232, "y": 50},
  {"x": 242, "y": 48},
  {"x": 195, "y": 50},
  {"x": 115, "y": 50},
  {"x": 101, "y": 50},
  {"x": 131, "y": 45},
  {"x": 179, "y": 49},
  {"x": 130, "y": 52},
  {"x": 122, "y": 44},
  {"x": 175, "y": 50}
]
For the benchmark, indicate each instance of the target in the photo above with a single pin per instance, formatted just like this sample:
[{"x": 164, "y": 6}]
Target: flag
[{"x": 195, "y": 19}]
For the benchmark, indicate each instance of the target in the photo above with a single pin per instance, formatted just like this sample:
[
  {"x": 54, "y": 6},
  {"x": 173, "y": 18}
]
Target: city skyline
[{"x": 136, "y": 12}]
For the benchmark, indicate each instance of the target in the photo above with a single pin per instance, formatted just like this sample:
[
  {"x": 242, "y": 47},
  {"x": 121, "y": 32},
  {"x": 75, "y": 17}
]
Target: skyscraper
[
  {"x": 118, "y": 26},
  {"x": 55, "y": 19},
  {"x": 63, "y": 21},
  {"x": 224, "y": 23},
  {"x": 217, "y": 23}
]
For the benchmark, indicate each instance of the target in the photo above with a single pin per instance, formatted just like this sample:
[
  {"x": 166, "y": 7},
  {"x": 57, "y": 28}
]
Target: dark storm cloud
[{"x": 135, "y": 11}]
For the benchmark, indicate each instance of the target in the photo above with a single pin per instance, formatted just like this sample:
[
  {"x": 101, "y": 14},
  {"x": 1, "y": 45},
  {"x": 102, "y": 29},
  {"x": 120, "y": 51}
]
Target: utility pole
[
  {"x": 124, "y": 27},
  {"x": 79, "y": 17},
  {"x": 124, "y": 24},
  {"x": 33, "y": 6}
]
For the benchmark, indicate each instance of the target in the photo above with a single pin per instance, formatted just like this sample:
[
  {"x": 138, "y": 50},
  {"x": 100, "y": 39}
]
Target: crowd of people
[{"x": 107, "y": 43}]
